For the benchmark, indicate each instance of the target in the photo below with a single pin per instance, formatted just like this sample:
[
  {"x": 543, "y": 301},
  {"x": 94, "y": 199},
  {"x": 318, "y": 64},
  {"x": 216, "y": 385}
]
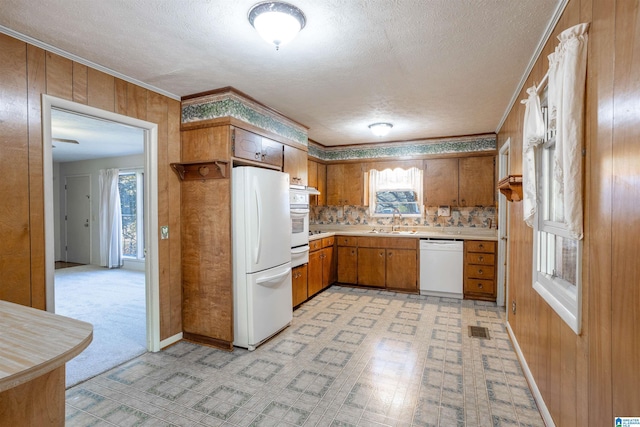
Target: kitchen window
[
  {"x": 396, "y": 191},
  {"x": 558, "y": 255},
  {"x": 131, "y": 187}
]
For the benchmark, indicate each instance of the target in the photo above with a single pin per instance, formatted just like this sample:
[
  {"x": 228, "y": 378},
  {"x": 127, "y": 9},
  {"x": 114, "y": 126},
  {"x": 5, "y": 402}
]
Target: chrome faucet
[{"x": 393, "y": 218}]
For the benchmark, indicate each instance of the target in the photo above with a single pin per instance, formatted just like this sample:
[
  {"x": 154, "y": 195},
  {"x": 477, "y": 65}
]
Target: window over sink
[{"x": 395, "y": 192}]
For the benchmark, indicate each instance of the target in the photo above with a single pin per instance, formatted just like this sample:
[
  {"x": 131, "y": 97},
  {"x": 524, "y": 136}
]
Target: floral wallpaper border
[
  {"x": 230, "y": 104},
  {"x": 415, "y": 148}
]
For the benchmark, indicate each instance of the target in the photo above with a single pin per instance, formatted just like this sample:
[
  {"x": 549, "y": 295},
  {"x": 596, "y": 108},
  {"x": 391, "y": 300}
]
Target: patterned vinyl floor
[{"x": 352, "y": 357}]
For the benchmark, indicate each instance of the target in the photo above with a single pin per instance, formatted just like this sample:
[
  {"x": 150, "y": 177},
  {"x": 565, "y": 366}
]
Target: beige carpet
[{"x": 113, "y": 301}]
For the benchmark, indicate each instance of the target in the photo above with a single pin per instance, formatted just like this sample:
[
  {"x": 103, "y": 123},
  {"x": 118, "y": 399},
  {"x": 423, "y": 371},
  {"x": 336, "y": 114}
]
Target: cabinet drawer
[
  {"x": 314, "y": 245},
  {"x": 480, "y": 258},
  {"x": 372, "y": 242},
  {"x": 481, "y": 246},
  {"x": 480, "y": 272},
  {"x": 479, "y": 286},
  {"x": 328, "y": 241},
  {"x": 347, "y": 241},
  {"x": 402, "y": 243}
]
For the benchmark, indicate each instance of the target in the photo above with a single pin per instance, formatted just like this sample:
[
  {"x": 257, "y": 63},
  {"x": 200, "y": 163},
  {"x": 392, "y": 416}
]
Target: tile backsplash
[{"x": 478, "y": 217}]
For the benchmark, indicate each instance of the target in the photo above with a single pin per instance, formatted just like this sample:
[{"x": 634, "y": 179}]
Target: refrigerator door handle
[
  {"x": 273, "y": 280},
  {"x": 258, "y": 244}
]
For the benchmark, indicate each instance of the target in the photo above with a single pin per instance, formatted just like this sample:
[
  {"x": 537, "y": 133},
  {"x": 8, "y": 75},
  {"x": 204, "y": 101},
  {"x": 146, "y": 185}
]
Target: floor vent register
[{"x": 479, "y": 332}]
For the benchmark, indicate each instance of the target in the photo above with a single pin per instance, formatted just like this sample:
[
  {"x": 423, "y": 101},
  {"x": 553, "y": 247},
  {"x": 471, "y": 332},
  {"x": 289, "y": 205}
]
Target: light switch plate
[
  {"x": 164, "y": 232},
  {"x": 444, "y": 210}
]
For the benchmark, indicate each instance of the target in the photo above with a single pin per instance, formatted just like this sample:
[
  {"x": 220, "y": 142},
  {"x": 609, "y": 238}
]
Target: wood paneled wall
[
  {"x": 27, "y": 72},
  {"x": 586, "y": 380}
]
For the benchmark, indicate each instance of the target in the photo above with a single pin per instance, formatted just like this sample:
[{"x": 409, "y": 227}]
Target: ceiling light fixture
[
  {"x": 380, "y": 129},
  {"x": 277, "y": 22}
]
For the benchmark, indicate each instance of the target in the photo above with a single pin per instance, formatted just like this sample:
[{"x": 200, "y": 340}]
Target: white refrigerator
[{"x": 261, "y": 225}]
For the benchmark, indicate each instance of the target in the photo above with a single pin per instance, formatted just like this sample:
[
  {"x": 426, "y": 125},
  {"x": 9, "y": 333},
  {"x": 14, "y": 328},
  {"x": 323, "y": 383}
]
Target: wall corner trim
[
  {"x": 171, "y": 340},
  {"x": 542, "y": 407}
]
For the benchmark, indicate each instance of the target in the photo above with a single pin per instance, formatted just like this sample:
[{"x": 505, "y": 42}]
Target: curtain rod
[{"x": 538, "y": 86}]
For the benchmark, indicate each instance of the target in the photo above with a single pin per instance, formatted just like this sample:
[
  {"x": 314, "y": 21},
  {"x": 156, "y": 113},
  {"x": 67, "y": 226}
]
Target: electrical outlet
[
  {"x": 164, "y": 232},
  {"x": 444, "y": 210}
]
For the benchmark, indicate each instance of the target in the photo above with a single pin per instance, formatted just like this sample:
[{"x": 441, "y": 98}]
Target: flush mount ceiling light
[
  {"x": 380, "y": 129},
  {"x": 277, "y": 22}
]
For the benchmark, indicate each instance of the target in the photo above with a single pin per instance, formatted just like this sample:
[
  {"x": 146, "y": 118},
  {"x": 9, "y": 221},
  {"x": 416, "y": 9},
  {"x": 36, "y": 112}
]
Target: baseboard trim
[
  {"x": 171, "y": 340},
  {"x": 542, "y": 407}
]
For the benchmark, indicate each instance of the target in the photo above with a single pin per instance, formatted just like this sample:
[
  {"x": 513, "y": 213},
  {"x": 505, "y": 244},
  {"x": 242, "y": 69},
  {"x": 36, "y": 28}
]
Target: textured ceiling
[{"x": 433, "y": 68}]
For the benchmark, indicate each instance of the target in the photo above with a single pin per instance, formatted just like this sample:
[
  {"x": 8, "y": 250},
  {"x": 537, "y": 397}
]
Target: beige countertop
[
  {"x": 34, "y": 342},
  {"x": 450, "y": 233}
]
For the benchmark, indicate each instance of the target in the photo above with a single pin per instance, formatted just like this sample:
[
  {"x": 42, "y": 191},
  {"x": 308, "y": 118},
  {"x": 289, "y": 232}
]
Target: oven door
[{"x": 299, "y": 227}]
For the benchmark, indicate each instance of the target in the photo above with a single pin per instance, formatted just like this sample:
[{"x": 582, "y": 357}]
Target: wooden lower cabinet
[
  {"x": 382, "y": 262},
  {"x": 402, "y": 269},
  {"x": 347, "y": 264},
  {"x": 371, "y": 267},
  {"x": 479, "y": 270},
  {"x": 299, "y": 284},
  {"x": 314, "y": 277},
  {"x": 322, "y": 271}
]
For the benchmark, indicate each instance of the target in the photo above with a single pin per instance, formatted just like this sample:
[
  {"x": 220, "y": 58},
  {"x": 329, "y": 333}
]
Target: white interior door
[{"x": 78, "y": 219}]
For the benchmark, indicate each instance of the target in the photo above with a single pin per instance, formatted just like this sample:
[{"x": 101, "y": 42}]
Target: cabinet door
[
  {"x": 247, "y": 145},
  {"x": 402, "y": 269},
  {"x": 328, "y": 269},
  {"x": 312, "y": 173},
  {"x": 272, "y": 152},
  {"x": 345, "y": 184},
  {"x": 299, "y": 284},
  {"x": 295, "y": 164},
  {"x": 371, "y": 267},
  {"x": 348, "y": 264},
  {"x": 322, "y": 185},
  {"x": 477, "y": 184},
  {"x": 352, "y": 184},
  {"x": 335, "y": 178},
  {"x": 314, "y": 273},
  {"x": 441, "y": 182}
]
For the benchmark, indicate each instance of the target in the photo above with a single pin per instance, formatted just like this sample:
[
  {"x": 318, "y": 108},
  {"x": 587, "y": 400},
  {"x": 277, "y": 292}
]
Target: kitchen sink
[{"x": 392, "y": 232}]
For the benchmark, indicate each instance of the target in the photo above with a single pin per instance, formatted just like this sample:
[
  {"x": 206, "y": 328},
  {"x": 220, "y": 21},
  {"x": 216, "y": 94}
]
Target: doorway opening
[
  {"x": 72, "y": 235},
  {"x": 503, "y": 228}
]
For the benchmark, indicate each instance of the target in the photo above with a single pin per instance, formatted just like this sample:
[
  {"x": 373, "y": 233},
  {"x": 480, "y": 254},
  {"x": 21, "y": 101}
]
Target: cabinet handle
[
  {"x": 264, "y": 156},
  {"x": 481, "y": 258},
  {"x": 390, "y": 254},
  {"x": 481, "y": 246},
  {"x": 257, "y": 156},
  {"x": 353, "y": 251},
  {"x": 480, "y": 272},
  {"x": 480, "y": 285}
]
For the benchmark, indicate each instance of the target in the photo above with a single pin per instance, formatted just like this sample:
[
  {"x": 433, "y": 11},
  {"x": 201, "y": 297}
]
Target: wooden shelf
[
  {"x": 211, "y": 169},
  {"x": 511, "y": 187}
]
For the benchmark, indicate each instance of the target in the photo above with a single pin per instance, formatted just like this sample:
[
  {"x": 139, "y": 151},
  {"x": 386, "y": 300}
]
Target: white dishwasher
[{"x": 441, "y": 264}]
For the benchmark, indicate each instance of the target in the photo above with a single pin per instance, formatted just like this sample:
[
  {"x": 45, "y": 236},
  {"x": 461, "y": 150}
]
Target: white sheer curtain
[
  {"x": 110, "y": 219},
  {"x": 567, "y": 75},
  {"x": 533, "y": 135},
  {"x": 396, "y": 179}
]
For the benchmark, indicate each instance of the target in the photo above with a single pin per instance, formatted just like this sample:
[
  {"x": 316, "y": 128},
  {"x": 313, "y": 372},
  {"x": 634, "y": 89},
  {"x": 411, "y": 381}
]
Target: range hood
[{"x": 309, "y": 190}]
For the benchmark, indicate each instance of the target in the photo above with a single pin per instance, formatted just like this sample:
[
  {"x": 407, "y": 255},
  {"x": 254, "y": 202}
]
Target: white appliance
[
  {"x": 441, "y": 264},
  {"x": 261, "y": 226},
  {"x": 299, "y": 206}
]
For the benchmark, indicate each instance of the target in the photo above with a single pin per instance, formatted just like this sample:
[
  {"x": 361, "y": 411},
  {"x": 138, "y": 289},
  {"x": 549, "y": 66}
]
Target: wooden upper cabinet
[
  {"x": 272, "y": 152},
  {"x": 464, "y": 181},
  {"x": 440, "y": 182},
  {"x": 321, "y": 199},
  {"x": 345, "y": 184},
  {"x": 295, "y": 164},
  {"x": 477, "y": 186},
  {"x": 247, "y": 145},
  {"x": 251, "y": 146},
  {"x": 312, "y": 173}
]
